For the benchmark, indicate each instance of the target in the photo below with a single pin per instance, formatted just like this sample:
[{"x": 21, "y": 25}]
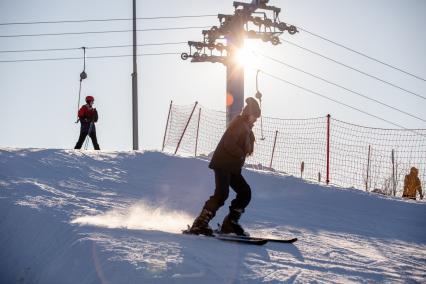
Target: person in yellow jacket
[{"x": 412, "y": 185}]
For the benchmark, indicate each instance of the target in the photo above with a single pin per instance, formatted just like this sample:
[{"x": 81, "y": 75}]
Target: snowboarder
[
  {"x": 88, "y": 115},
  {"x": 412, "y": 185},
  {"x": 228, "y": 159}
]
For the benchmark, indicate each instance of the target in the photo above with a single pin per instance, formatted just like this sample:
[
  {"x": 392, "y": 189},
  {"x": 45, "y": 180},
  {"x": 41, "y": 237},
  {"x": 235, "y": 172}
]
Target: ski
[
  {"x": 244, "y": 239},
  {"x": 231, "y": 238},
  {"x": 287, "y": 241},
  {"x": 240, "y": 239}
]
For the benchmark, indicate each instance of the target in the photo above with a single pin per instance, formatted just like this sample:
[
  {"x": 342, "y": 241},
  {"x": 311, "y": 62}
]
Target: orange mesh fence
[{"x": 366, "y": 158}]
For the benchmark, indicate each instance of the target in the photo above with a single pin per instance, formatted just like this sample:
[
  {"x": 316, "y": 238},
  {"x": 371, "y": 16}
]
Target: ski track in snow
[{"x": 96, "y": 217}]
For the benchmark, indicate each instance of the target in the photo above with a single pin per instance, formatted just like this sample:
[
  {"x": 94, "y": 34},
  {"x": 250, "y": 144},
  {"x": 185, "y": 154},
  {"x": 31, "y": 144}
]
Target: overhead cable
[
  {"x": 104, "y": 20},
  {"x": 94, "y": 57},
  {"x": 362, "y": 54},
  {"x": 354, "y": 69},
  {"x": 338, "y": 102},
  {"x": 102, "y": 32},
  {"x": 340, "y": 86},
  {"x": 92, "y": 47}
]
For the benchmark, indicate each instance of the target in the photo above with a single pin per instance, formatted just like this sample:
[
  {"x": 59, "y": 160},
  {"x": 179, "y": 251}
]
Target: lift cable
[
  {"x": 357, "y": 70},
  {"x": 339, "y": 102},
  {"x": 340, "y": 86},
  {"x": 92, "y": 57},
  {"x": 362, "y": 54},
  {"x": 103, "y": 32},
  {"x": 92, "y": 47},
  {"x": 105, "y": 20}
]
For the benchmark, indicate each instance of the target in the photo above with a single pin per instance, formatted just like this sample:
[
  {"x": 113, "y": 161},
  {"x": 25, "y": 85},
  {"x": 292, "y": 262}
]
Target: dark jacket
[{"x": 236, "y": 143}]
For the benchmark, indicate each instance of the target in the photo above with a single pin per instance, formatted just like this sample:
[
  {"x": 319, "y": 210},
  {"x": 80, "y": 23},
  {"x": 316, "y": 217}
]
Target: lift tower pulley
[{"x": 221, "y": 43}]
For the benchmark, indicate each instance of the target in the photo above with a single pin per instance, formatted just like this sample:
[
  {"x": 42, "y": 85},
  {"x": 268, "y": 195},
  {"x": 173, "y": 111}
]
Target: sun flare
[{"x": 245, "y": 57}]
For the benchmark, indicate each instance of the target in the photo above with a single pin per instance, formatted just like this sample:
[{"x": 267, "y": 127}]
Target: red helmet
[{"x": 89, "y": 99}]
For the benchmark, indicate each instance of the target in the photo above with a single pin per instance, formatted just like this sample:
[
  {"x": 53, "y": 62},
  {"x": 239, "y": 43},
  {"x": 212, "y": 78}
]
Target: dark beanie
[{"x": 252, "y": 108}]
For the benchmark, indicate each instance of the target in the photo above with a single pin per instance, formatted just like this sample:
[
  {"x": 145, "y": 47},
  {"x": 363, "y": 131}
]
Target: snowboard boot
[
  {"x": 201, "y": 224},
  {"x": 230, "y": 223}
]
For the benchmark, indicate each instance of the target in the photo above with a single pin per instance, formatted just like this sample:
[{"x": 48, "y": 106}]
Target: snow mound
[{"x": 115, "y": 217}]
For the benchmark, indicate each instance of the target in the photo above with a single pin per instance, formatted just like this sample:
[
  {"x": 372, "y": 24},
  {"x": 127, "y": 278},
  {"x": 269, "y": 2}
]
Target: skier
[
  {"x": 228, "y": 159},
  {"x": 412, "y": 185},
  {"x": 88, "y": 115}
]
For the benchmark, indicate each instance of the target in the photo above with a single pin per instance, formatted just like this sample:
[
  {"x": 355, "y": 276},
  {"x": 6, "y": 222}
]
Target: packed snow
[{"x": 71, "y": 216}]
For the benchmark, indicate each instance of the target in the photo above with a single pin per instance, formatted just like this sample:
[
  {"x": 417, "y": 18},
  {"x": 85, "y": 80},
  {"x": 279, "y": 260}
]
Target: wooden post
[
  {"x": 186, "y": 126},
  {"x": 273, "y": 149},
  {"x": 198, "y": 130},
  {"x": 167, "y": 125}
]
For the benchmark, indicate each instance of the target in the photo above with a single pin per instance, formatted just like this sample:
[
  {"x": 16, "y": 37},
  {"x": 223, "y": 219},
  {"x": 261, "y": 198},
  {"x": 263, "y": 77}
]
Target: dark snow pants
[
  {"x": 87, "y": 129},
  {"x": 223, "y": 180}
]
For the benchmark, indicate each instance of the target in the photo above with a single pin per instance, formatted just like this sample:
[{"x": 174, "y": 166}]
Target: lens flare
[{"x": 245, "y": 57}]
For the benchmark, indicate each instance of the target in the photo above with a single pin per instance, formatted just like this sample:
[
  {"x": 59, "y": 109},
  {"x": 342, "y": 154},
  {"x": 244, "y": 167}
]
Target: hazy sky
[{"x": 39, "y": 99}]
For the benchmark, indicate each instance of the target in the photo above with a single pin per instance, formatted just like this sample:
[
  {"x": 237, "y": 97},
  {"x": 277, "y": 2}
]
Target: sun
[
  {"x": 245, "y": 57},
  {"x": 242, "y": 57}
]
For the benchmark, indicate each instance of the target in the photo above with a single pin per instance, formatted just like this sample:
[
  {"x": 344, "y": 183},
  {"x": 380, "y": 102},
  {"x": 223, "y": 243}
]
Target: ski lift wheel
[
  {"x": 258, "y": 95},
  {"x": 83, "y": 75},
  {"x": 275, "y": 40},
  {"x": 292, "y": 30},
  {"x": 282, "y": 26}
]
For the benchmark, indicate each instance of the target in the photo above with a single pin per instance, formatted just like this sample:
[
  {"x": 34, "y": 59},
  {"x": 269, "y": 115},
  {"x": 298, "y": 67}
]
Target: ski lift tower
[{"x": 222, "y": 43}]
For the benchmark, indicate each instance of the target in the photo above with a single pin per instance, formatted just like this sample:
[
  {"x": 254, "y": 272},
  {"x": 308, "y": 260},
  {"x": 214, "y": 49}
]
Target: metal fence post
[
  {"x": 393, "y": 173},
  {"x": 328, "y": 150},
  {"x": 167, "y": 125},
  {"x": 198, "y": 130},
  {"x": 368, "y": 167},
  {"x": 273, "y": 148},
  {"x": 186, "y": 126}
]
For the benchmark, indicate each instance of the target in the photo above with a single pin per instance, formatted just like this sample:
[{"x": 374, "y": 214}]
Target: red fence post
[
  {"x": 328, "y": 149},
  {"x": 167, "y": 125},
  {"x": 198, "y": 129},
  {"x": 186, "y": 126}
]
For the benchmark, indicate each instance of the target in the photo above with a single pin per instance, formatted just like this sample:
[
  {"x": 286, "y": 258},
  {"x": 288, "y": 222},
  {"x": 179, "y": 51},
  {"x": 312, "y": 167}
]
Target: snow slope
[{"x": 114, "y": 217}]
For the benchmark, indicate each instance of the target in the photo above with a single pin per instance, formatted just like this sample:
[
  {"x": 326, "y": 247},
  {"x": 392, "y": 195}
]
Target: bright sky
[{"x": 39, "y": 99}]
